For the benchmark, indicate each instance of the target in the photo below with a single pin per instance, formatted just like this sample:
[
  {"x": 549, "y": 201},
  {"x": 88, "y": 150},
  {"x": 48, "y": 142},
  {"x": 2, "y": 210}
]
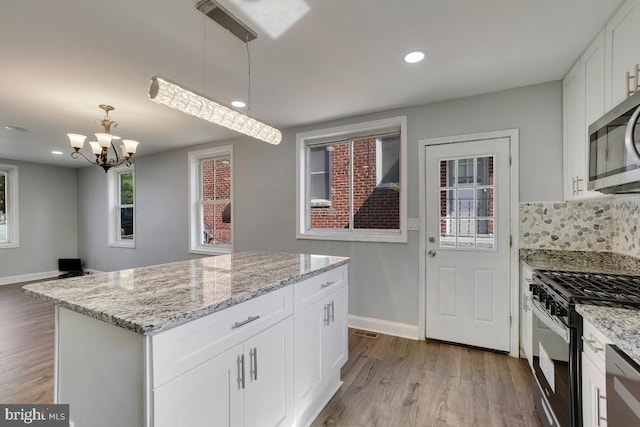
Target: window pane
[
  {"x": 465, "y": 204},
  {"x": 447, "y": 173},
  {"x": 3, "y": 207},
  {"x": 447, "y": 233},
  {"x": 374, "y": 207},
  {"x": 485, "y": 238},
  {"x": 485, "y": 202},
  {"x": 389, "y": 162},
  {"x": 485, "y": 170},
  {"x": 447, "y": 203},
  {"x": 465, "y": 171},
  {"x": 126, "y": 188},
  {"x": 337, "y": 190},
  {"x": 217, "y": 224},
  {"x": 466, "y": 233},
  {"x": 126, "y": 223},
  {"x": 216, "y": 178}
]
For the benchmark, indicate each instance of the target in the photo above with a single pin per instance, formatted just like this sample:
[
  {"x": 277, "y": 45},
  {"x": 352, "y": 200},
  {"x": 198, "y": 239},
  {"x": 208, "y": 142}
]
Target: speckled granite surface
[
  {"x": 586, "y": 261},
  {"x": 152, "y": 299},
  {"x": 620, "y": 325}
]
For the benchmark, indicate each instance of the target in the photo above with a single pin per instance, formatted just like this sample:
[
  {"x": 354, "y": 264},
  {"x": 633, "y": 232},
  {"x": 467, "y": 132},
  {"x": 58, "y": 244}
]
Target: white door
[{"x": 467, "y": 243}]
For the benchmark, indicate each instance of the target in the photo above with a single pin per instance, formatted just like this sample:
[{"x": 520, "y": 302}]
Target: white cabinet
[
  {"x": 583, "y": 103},
  {"x": 526, "y": 315},
  {"x": 248, "y": 385},
  {"x": 594, "y": 400},
  {"x": 622, "y": 51},
  {"x": 321, "y": 349}
]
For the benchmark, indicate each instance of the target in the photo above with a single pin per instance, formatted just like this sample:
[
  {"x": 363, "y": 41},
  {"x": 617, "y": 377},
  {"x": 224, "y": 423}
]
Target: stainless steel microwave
[{"x": 614, "y": 149}]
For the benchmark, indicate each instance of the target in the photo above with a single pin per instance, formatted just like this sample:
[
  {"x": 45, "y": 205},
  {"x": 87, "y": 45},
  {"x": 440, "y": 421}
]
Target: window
[
  {"x": 122, "y": 207},
  {"x": 467, "y": 203},
  {"x": 210, "y": 173},
  {"x": 8, "y": 206},
  {"x": 351, "y": 182}
]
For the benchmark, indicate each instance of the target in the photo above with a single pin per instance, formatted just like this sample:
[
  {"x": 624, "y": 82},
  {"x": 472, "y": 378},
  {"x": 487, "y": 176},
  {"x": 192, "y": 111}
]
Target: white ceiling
[{"x": 313, "y": 60}]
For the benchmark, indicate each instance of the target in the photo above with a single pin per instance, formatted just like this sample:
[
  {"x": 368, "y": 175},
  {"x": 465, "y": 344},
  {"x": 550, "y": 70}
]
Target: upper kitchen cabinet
[
  {"x": 622, "y": 52},
  {"x": 583, "y": 103}
]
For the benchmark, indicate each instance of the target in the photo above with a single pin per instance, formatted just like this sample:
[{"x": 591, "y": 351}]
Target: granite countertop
[
  {"x": 583, "y": 261},
  {"x": 620, "y": 325},
  {"x": 152, "y": 299}
]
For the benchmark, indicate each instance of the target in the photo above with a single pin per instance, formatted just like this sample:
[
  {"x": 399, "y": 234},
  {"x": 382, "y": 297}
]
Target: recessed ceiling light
[
  {"x": 413, "y": 57},
  {"x": 238, "y": 104},
  {"x": 57, "y": 153}
]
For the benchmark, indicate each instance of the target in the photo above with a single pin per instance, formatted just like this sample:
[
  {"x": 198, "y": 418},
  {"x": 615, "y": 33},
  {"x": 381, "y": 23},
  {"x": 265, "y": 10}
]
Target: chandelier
[{"x": 100, "y": 148}]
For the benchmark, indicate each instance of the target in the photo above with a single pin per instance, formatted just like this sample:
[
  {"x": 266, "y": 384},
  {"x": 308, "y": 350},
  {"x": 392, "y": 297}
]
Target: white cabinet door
[
  {"x": 593, "y": 66},
  {"x": 268, "y": 389},
  {"x": 622, "y": 51},
  {"x": 574, "y": 134},
  {"x": 208, "y": 395},
  {"x": 336, "y": 349},
  {"x": 309, "y": 326},
  {"x": 594, "y": 404}
]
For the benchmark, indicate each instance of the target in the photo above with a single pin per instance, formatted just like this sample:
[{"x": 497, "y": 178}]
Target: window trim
[
  {"x": 303, "y": 139},
  {"x": 114, "y": 240},
  {"x": 194, "y": 157},
  {"x": 13, "y": 226}
]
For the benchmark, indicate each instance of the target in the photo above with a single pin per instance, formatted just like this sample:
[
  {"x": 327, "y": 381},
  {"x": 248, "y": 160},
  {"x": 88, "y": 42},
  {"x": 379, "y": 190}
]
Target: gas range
[
  {"x": 559, "y": 291},
  {"x": 556, "y": 359}
]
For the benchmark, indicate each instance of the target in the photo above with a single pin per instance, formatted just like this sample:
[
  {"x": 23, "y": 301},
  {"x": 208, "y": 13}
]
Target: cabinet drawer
[
  {"x": 182, "y": 348},
  {"x": 593, "y": 344},
  {"x": 314, "y": 289}
]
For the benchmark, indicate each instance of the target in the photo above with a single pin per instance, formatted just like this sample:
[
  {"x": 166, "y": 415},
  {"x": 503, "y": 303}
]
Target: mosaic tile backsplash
[{"x": 602, "y": 225}]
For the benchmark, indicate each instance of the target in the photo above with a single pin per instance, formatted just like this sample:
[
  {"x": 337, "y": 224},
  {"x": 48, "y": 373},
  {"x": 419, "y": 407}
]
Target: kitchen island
[{"x": 214, "y": 341}]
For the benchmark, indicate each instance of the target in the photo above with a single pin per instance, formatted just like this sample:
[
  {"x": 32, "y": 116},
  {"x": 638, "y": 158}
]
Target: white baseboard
[
  {"x": 28, "y": 277},
  {"x": 403, "y": 330}
]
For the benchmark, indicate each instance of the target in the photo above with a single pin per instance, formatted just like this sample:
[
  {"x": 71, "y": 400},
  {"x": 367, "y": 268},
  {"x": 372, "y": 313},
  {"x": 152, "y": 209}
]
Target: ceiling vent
[{"x": 224, "y": 18}]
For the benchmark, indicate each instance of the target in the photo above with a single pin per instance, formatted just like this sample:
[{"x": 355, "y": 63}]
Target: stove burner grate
[{"x": 608, "y": 289}]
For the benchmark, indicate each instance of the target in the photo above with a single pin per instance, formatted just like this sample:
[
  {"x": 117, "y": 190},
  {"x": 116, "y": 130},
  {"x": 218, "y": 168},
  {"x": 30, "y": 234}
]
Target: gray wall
[
  {"x": 384, "y": 276},
  {"x": 47, "y": 220}
]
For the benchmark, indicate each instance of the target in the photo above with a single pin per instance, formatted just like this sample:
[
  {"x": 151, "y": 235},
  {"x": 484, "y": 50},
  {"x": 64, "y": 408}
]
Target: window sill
[
  {"x": 122, "y": 244},
  {"x": 377, "y": 236},
  {"x": 201, "y": 250},
  {"x": 9, "y": 245}
]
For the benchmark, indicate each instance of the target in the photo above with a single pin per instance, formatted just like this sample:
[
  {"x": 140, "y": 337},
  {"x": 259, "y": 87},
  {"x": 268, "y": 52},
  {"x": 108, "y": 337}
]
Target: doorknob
[{"x": 431, "y": 253}]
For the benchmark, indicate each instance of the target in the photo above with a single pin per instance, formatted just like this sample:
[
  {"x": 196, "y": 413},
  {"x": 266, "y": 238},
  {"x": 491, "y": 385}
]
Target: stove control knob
[
  {"x": 547, "y": 303},
  {"x": 562, "y": 312},
  {"x": 553, "y": 308}
]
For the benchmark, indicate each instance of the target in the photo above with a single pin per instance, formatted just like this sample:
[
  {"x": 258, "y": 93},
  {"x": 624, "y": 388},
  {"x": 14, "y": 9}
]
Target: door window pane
[
  {"x": 3, "y": 207},
  {"x": 467, "y": 203}
]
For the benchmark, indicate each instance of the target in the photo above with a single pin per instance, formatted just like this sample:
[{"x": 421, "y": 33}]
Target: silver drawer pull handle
[
  {"x": 326, "y": 285},
  {"x": 244, "y": 322},
  {"x": 591, "y": 344}
]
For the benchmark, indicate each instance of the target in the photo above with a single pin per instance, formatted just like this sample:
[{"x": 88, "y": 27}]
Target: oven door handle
[{"x": 549, "y": 321}]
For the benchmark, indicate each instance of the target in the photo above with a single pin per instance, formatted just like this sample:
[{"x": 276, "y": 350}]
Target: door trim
[{"x": 514, "y": 210}]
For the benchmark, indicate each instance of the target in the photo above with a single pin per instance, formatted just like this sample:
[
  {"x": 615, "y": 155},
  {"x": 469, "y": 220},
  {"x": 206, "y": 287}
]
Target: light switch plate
[{"x": 413, "y": 223}]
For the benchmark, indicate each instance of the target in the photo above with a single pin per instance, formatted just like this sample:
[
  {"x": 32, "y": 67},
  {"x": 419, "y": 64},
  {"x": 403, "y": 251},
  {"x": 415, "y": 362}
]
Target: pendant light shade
[{"x": 166, "y": 92}]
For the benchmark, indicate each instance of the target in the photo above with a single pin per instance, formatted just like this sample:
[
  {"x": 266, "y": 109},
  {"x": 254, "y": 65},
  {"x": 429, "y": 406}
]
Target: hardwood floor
[
  {"x": 388, "y": 381},
  {"x": 26, "y": 347}
]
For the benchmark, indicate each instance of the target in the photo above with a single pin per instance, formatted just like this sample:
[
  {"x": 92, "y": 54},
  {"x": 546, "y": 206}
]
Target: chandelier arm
[{"x": 76, "y": 153}]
